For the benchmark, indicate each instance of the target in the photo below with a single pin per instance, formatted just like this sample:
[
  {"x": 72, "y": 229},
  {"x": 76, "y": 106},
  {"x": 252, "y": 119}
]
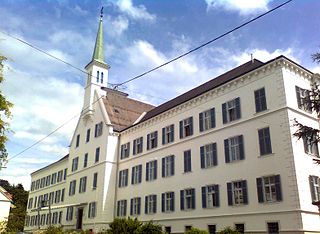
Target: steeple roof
[{"x": 98, "y": 53}]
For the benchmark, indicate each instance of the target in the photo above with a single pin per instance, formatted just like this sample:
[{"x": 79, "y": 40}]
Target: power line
[
  {"x": 51, "y": 133},
  {"x": 50, "y": 55},
  {"x": 203, "y": 45}
]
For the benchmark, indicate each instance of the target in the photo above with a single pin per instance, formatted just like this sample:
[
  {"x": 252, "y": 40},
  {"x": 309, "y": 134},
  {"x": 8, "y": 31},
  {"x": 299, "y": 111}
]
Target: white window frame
[
  {"x": 92, "y": 210},
  {"x": 211, "y": 198},
  {"x": 234, "y": 148},
  {"x": 237, "y": 192},
  {"x": 168, "y": 197}
]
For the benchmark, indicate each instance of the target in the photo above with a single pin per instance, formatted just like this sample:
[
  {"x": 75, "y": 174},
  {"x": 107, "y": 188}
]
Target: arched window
[
  {"x": 101, "y": 77},
  {"x": 97, "y": 76}
]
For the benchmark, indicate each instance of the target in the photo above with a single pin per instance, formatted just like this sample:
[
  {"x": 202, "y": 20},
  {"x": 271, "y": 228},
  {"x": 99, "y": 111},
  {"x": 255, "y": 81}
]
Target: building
[
  {"x": 222, "y": 154},
  {"x": 5, "y": 204}
]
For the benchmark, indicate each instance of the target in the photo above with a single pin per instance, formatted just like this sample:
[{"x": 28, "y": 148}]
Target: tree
[
  {"x": 5, "y": 114},
  {"x": 119, "y": 226},
  {"x": 312, "y": 135},
  {"x": 18, "y": 210},
  {"x": 228, "y": 230},
  {"x": 196, "y": 231}
]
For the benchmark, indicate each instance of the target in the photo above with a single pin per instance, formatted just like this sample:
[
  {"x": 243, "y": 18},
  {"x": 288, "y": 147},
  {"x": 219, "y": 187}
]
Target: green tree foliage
[
  {"x": 5, "y": 114},
  {"x": 228, "y": 230},
  {"x": 149, "y": 228},
  {"x": 120, "y": 226},
  {"x": 19, "y": 206},
  {"x": 304, "y": 131},
  {"x": 133, "y": 226},
  {"x": 196, "y": 231}
]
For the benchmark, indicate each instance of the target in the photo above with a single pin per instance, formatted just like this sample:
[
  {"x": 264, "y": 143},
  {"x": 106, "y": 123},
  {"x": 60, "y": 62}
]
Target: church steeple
[
  {"x": 98, "y": 53},
  {"x": 97, "y": 70}
]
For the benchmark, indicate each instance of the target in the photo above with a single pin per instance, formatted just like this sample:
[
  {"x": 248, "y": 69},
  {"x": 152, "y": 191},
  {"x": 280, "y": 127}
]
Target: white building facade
[{"x": 222, "y": 154}]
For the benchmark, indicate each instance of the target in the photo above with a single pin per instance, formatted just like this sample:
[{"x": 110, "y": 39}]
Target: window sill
[
  {"x": 266, "y": 155},
  {"x": 261, "y": 112},
  {"x": 187, "y": 172}
]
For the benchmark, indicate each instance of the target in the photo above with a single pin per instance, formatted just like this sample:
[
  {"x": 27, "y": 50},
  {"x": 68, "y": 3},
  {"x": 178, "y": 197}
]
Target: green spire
[{"x": 98, "y": 53}]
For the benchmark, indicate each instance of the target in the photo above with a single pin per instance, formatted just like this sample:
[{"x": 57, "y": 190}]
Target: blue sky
[{"x": 139, "y": 35}]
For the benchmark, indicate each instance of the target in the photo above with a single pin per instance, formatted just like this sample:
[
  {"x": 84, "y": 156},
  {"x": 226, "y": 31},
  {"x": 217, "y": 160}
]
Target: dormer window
[
  {"x": 98, "y": 76},
  {"x": 101, "y": 77}
]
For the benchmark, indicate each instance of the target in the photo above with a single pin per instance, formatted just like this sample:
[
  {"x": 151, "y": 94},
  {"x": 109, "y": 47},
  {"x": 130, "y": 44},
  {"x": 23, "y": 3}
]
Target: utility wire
[
  {"x": 51, "y": 133},
  {"x": 203, "y": 45},
  {"x": 50, "y": 55}
]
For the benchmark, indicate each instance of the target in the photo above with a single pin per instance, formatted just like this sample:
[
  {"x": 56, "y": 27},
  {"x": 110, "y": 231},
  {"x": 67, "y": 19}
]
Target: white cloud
[
  {"x": 244, "y": 7},
  {"x": 119, "y": 25},
  {"x": 136, "y": 12},
  {"x": 263, "y": 55}
]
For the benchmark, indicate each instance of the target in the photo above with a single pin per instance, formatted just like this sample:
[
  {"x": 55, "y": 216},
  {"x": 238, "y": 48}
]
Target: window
[
  {"x": 51, "y": 197},
  {"x": 237, "y": 193},
  {"x": 85, "y": 160},
  {"x": 187, "y": 199},
  {"x": 207, "y": 120},
  {"x": 137, "y": 145},
  {"x": 264, "y": 141},
  {"x": 239, "y": 227},
  {"x": 35, "y": 202},
  {"x": 101, "y": 77},
  {"x": 88, "y": 135},
  {"x": 48, "y": 178},
  {"x": 136, "y": 174},
  {"x": 62, "y": 195},
  {"x": 42, "y": 182},
  {"x": 78, "y": 140},
  {"x": 151, "y": 170},
  {"x": 57, "y": 197},
  {"x": 187, "y": 161},
  {"x": 260, "y": 100},
  {"x": 83, "y": 184},
  {"x": 59, "y": 178},
  {"x": 314, "y": 188},
  {"x": 30, "y": 202},
  {"x": 269, "y": 189},
  {"x": 92, "y": 210},
  {"x": 273, "y": 228},
  {"x": 98, "y": 129},
  {"x": 135, "y": 206},
  {"x": 98, "y": 73},
  {"x": 32, "y": 185},
  {"x": 212, "y": 229},
  {"x": 60, "y": 217},
  {"x": 125, "y": 150},
  {"x": 167, "y": 229},
  {"x": 72, "y": 187},
  {"x": 303, "y": 99},
  {"x": 95, "y": 180},
  {"x": 97, "y": 155},
  {"x": 53, "y": 178},
  {"x": 208, "y": 155},
  {"x": 122, "y": 208},
  {"x": 69, "y": 214},
  {"x": 74, "y": 166},
  {"x": 152, "y": 140},
  {"x": 187, "y": 228},
  {"x": 151, "y": 204},
  {"x": 310, "y": 144},
  {"x": 168, "y": 134},
  {"x": 231, "y": 110},
  {"x": 65, "y": 174},
  {"x": 186, "y": 127},
  {"x": 210, "y": 196},
  {"x": 55, "y": 218},
  {"x": 168, "y": 166},
  {"x": 234, "y": 149},
  {"x": 167, "y": 201},
  {"x": 123, "y": 178},
  {"x": 38, "y": 184}
]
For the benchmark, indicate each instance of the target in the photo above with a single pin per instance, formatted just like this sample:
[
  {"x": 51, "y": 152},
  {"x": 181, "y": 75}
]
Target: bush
[
  {"x": 53, "y": 230},
  {"x": 228, "y": 230},
  {"x": 121, "y": 226},
  {"x": 149, "y": 228},
  {"x": 196, "y": 231}
]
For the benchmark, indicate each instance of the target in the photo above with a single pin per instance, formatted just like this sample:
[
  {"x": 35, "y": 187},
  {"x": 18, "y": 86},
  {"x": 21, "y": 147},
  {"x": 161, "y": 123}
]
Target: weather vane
[{"x": 101, "y": 12}]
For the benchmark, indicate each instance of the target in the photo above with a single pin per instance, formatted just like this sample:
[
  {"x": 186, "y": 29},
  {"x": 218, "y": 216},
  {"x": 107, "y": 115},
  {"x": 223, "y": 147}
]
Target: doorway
[{"x": 79, "y": 219}]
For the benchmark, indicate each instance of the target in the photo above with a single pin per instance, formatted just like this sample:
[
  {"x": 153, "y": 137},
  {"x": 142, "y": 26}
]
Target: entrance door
[{"x": 79, "y": 219}]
